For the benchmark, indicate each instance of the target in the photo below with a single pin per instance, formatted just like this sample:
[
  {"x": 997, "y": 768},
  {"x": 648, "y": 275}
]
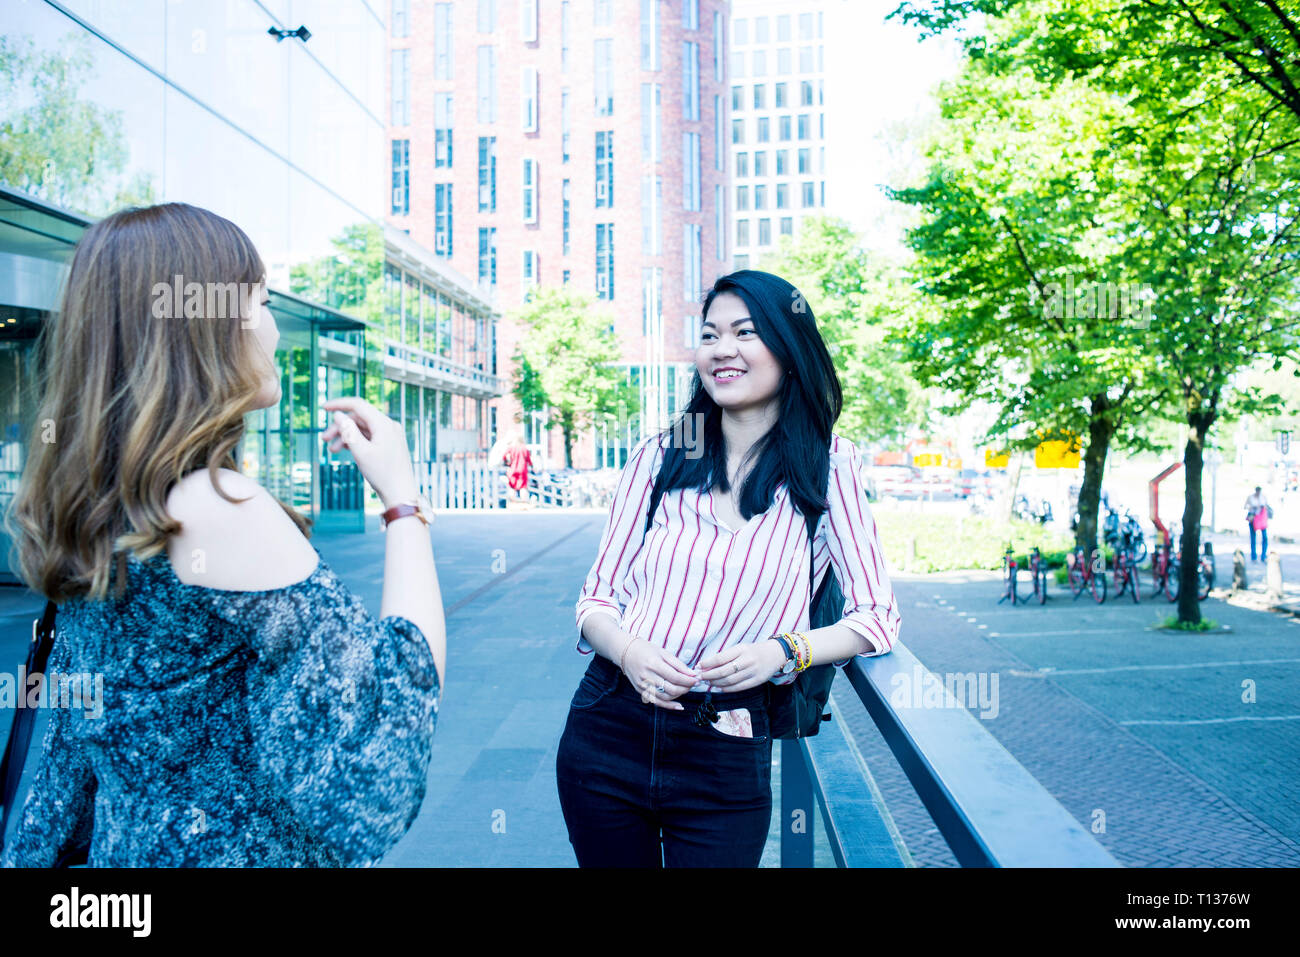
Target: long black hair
[{"x": 796, "y": 449}]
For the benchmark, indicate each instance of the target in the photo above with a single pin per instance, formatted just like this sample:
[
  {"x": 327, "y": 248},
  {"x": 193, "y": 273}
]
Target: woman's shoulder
[
  {"x": 246, "y": 545},
  {"x": 843, "y": 451}
]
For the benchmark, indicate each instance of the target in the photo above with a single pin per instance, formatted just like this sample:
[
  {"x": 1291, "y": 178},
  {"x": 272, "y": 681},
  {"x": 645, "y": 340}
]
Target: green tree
[
  {"x": 563, "y": 363},
  {"x": 856, "y": 299},
  {"x": 58, "y": 146}
]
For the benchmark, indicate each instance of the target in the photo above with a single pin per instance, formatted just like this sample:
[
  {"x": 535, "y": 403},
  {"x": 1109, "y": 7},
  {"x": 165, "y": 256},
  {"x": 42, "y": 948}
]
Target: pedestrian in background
[
  {"x": 1257, "y": 514},
  {"x": 519, "y": 460},
  {"x": 666, "y": 757},
  {"x": 254, "y": 713}
]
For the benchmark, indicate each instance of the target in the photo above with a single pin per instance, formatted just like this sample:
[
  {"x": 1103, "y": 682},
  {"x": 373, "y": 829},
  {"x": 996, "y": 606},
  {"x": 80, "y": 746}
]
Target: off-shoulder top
[{"x": 285, "y": 727}]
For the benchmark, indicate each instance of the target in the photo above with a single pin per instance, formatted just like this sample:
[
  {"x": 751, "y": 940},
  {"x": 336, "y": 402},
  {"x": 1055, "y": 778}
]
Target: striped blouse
[{"x": 696, "y": 586}]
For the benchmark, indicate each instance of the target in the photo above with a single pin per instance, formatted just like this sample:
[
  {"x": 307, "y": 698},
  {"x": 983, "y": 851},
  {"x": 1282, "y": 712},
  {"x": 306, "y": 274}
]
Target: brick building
[{"x": 537, "y": 142}]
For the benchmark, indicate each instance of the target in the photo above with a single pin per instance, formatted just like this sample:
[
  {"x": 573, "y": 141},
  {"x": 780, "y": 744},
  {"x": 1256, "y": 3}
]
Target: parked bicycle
[
  {"x": 1125, "y": 533},
  {"x": 1009, "y": 569},
  {"x": 1038, "y": 575},
  {"x": 1126, "y": 573},
  {"x": 1164, "y": 572},
  {"x": 1204, "y": 572},
  {"x": 1083, "y": 573}
]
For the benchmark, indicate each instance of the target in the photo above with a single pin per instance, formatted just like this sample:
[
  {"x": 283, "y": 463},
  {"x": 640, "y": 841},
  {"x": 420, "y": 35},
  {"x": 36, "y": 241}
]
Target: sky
[{"x": 879, "y": 82}]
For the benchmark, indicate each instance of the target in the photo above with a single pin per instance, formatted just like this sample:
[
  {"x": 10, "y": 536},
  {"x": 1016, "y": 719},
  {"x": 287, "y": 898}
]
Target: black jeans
[{"x": 641, "y": 786}]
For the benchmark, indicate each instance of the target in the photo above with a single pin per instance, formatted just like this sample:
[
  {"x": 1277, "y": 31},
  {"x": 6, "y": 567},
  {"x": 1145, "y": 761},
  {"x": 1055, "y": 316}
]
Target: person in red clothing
[{"x": 519, "y": 459}]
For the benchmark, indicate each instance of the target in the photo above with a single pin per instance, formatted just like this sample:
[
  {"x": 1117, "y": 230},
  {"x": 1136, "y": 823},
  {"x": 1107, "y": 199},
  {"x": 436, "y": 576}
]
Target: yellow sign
[
  {"x": 927, "y": 460},
  {"x": 996, "y": 460},
  {"x": 1056, "y": 455}
]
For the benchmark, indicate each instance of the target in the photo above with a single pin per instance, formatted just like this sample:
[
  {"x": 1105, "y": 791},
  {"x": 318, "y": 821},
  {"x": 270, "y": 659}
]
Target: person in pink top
[
  {"x": 520, "y": 460},
  {"x": 691, "y": 618},
  {"x": 1257, "y": 518}
]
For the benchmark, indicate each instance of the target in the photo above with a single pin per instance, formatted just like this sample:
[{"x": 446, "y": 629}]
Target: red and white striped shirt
[{"x": 696, "y": 587}]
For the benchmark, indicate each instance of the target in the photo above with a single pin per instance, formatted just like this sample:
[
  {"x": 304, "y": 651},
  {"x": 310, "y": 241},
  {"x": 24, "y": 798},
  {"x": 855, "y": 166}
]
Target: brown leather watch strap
[{"x": 401, "y": 511}]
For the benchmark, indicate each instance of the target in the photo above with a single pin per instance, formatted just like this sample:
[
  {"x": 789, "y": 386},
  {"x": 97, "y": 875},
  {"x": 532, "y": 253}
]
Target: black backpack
[{"x": 795, "y": 709}]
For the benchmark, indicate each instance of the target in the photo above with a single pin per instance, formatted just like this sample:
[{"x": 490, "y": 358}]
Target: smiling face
[{"x": 738, "y": 371}]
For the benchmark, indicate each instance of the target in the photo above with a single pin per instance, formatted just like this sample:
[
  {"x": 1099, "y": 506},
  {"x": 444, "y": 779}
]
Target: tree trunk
[
  {"x": 1017, "y": 464},
  {"x": 566, "y": 423},
  {"x": 1100, "y": 431},
  {"x": 1189, "y": 606}
]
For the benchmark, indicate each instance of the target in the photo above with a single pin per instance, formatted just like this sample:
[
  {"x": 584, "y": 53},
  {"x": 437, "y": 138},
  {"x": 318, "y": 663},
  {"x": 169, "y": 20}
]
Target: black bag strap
[{"x": 20, "y": 732}]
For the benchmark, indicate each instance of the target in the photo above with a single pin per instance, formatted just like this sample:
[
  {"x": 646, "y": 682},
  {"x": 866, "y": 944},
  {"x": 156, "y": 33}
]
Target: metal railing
[{"x": 990, "y": 810}]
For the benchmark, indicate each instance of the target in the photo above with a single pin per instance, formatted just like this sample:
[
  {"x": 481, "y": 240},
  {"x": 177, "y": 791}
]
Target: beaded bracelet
[
  {"x": 799, "y": 656},
  {"x": 807, "y": 650}
]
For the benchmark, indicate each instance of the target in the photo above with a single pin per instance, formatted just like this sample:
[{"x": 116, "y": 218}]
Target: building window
[
  {"x": 742, "y": 232},
  {"x": 739, "y": 32},
  {"x": 564, "y": 196},
  {"x": 742, "y": 262},
  {"x": 821, "y": 189},
  {"x": 804, "y": 126},
  {"x": 760, "y": 197},
  {"x": 652, "y": 299},
  {"x": 821, "y": 126},
  {"x": 779, "y": 95},
  {"x": 605, "y": 260},
  {"x": 487, "y": 255},
  {"x": 528, "y": 20},
  {"x": 764, "y": 129},
  {"x": 783, "y": 61},
  {"x": 782, "y": 196},
  {"x": 443, "y": 61},
  {"x": 742, "y": 198},
  {"x": 760, "y": 63},
  {"x": 564, "y": 125},
  {"x": 564, "y": 36},
  {"x": 401, "y": 177},
  {"x": 691, "y": 326},
  {"x": 691, "y": 14},
  {"x": 652, "y": 203},
  {"x": 806, "y": 60},
  {"x": 650, "y": 34},
  {"x": 805, "y": 26},
  {"x": 487, "y": 84},
  {"x": 487, "y": 174},
  {"x": 529, "y": 194},
  {"x": 720, "y": 222},
  {"x": 742, "y": 165},
  {"x": 604, "y": 13},
  {"x": 760, "y": 96},
  {"x": 809, "y": 195},
  {"x": 442, "y": 114},
  {"x": 690, "y": 81},
  {"x": 487, "y": 16},
  {"x": 787, "y": 226},
  {"x": 737, "y": 65},
  {"x": 401, "y": 18},
  {"x": 691, "y": 171},
  {"x": 760, "y": 163},
  {"x": 692, "y": 266},
  {"x": 737, "y": 97},
  {"x": 717, "y": 47},
  {"x": 805, "y": 93},
  {"x": 783, "y": 28},
  {"x": 784, "y": 125},
  {"x": 650, "y": 126},
  {"x": 781, "y": 165},
  {"x": 530, "y": 268},
  {"x": 765, "y": 232},
  {"x": 528, "y": 99},
  {"x": 442, "y": 219},
  {"x": 604, "y": 168},
  {"x": 737, "y": 131},
  {"x": 566, "y": 276},
  {"x": 761, "y": 34},
  {"x": 401, "y": 87},
  {"x": 719, "y": 134},
  {"x": 805, "y": 165},
  {"x": 604, "y": 77}
]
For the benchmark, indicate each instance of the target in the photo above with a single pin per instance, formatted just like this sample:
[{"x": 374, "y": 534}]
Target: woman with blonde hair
[{"x": 254, "y": 712}]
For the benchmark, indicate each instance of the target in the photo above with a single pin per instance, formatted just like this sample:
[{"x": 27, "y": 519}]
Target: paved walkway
[{"x": 1146, "y": 727}]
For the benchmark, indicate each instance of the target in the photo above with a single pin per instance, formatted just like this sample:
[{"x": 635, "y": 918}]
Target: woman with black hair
[{"x": 666, "y": 758}]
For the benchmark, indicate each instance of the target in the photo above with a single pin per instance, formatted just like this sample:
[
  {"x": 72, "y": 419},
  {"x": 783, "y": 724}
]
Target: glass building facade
[{"x": 112, "y": 103}]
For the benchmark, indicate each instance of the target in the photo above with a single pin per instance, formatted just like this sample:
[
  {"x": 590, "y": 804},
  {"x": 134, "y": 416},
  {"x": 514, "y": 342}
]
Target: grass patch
[
  {"x": 1173, "y": 624},
  {"x": 951, "y": 542}
]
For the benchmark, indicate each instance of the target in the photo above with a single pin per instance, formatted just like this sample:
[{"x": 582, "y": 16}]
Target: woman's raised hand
[
  {"x": 377, "y": 443},
  {"x": 649, "y": 668}
]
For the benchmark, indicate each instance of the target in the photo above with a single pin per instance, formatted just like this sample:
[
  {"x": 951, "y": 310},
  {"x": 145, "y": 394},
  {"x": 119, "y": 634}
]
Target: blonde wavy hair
[{"x": 130, "y": 402}]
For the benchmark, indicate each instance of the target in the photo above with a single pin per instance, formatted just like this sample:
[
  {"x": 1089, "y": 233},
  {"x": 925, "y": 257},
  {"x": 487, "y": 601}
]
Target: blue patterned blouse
[{"x": 283, "y": 728}]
